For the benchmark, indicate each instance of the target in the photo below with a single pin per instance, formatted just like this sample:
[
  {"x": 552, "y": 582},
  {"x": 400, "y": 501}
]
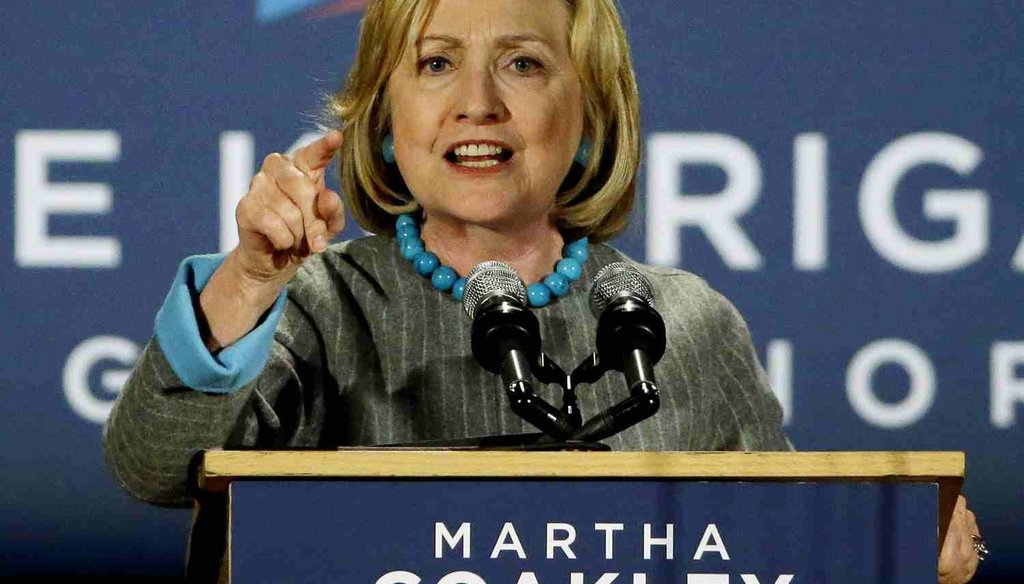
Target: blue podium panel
[{"x": 583, "y": 532}]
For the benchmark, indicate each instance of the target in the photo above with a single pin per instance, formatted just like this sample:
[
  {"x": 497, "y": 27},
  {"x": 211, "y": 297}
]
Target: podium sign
[
  {"x": 640, "y": 522},
  {"x": 559, "y": 532}
]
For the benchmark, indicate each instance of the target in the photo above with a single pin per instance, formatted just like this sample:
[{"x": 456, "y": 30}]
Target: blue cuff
[{"x": 178, "y": 334}]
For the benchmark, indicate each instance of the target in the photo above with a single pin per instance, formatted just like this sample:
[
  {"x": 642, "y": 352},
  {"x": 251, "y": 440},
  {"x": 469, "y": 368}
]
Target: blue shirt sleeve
[{"x": 177, "y": 331}]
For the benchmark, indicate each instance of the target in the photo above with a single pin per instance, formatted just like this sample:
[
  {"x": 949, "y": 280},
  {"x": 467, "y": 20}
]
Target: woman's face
[{"x": 488, "y": 75}]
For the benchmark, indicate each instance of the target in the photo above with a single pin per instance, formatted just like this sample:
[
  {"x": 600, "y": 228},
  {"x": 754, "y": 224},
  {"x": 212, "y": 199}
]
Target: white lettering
[
  {"x": 1018, "y": 257},
  {"x": 236, "y": 171},
  {"x": 83, "y": 358},
  {"x": 442, "y": 535},
  {"x": 508, "y": 540},
  {"x": 563, "y": 543},
  {"x": 650, "y": 541},
  {"x": 810, "y": 202},
  {"x": 609, "y": 530},
  {"x": 36, "y": 198},
  {"x": 527, "y": 578},
  {"x": 860, "y": 392},
  {"x": 669, "y": 208},
  {"x": 706, "y": 544},
  {"x": 1007, "y": 387},
  {"x": 968, "y": 209}
]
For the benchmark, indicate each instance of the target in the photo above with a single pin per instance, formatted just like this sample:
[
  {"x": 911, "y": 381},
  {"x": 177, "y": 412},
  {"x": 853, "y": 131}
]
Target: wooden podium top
[{"x": 220, "y": 467}]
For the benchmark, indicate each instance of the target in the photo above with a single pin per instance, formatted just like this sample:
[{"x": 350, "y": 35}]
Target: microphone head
[
  {"x": 489, "y": 279},
  {"x": 616, "y": 280}
]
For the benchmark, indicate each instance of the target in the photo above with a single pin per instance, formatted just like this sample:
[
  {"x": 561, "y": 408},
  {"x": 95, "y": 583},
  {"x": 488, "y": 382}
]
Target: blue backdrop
[{"x": 847, "y": 173}]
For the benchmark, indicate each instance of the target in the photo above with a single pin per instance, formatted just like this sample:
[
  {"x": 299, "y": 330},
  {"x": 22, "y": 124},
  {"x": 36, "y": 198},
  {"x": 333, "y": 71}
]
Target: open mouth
[{"x": 479, "y": 155}]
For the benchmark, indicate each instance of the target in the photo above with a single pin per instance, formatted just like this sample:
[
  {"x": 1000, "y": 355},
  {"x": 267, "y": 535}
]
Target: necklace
[{"x": 445, "y": 279}]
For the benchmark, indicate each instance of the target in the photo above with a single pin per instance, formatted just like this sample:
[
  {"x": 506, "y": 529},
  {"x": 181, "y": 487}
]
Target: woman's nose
[{"x": 480, "y": 102}]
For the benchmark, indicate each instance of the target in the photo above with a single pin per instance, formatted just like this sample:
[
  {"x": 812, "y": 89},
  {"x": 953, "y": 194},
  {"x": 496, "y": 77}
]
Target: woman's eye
[
  {"x": 525, "y": 64},
  {"x": 435, "y": 64}
]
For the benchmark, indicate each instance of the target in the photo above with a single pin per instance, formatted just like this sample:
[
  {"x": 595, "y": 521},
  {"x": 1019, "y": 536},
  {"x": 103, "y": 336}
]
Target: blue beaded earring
[
  {"x": 387, "y": 149},
  {"x": 583, "y": 152}
]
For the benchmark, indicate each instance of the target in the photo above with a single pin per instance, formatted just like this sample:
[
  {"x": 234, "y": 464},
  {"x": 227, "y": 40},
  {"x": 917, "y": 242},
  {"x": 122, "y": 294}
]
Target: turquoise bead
[
  {"x": 570, "y": 268},
  {"x": 425, "y": 263},
  {"x": 443, "y": 278},
  {"x": 406, "y": 232},
  {"x": 581, "y": 242},
  {"x": 557, "y": 283},
  {"x": 458, "y": 289},
  {"x": 538, "y": 294},
  {"x": 580, "y": 253},
  {"x": 411, "y": 247}
]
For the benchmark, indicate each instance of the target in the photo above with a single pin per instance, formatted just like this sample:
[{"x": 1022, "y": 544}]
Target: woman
[{"x": 504, "y": 130}]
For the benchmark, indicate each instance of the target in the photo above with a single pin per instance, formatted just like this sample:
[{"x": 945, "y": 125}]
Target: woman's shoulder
[{"x": 679, "y": 295}]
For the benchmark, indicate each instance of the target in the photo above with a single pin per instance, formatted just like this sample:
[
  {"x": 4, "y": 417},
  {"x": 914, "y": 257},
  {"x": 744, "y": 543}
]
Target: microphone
[
  {"x": 630, "y": 339},
  {"x": 506, "y": 341}
]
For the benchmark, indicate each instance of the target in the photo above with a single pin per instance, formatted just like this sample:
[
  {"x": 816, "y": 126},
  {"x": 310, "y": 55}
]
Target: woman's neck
[{"x": 532, "y": 251}]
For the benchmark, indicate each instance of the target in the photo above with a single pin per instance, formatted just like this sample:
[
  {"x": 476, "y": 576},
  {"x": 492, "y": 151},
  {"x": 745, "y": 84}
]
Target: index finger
[{"x": 317, "y": 154}]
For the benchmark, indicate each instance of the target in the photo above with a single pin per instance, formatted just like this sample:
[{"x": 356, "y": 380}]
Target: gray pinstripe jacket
[{"x": 369, "y": 353}]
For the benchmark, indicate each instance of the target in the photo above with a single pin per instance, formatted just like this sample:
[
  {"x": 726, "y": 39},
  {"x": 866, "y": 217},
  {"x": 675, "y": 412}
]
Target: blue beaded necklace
[{"x": 443, "y": 278}]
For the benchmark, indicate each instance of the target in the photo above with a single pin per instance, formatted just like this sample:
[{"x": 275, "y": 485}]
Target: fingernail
[{"x": 319, "y": 243}]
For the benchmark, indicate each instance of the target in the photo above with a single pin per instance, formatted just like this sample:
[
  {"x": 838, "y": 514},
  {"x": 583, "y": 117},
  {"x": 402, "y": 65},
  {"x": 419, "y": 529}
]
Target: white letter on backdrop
[
  {"x": 236, "y": 172},
  {"x": 967, "y": 209},
  {"x": 1007, "y": 387},
  {"x": 36, "y": 198},
  {"x": 861, "y": 394},
  {"x": 810, "y": 202},
  {"x": 80, "y": 363},
  {"x": 669, "y": 208}
]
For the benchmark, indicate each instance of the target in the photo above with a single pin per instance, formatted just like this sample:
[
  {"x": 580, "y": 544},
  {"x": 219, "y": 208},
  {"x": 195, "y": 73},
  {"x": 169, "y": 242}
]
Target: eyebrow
[{"x": 502, "y": 41}]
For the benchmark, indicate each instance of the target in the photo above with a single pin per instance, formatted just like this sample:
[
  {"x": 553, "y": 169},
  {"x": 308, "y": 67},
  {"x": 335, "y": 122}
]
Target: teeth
[
  {"x": 477, "y": 150},
  {"x": 478, "y": 163}
]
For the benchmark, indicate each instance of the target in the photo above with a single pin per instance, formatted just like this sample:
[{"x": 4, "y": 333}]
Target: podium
[{"x": 495, "y": 517}]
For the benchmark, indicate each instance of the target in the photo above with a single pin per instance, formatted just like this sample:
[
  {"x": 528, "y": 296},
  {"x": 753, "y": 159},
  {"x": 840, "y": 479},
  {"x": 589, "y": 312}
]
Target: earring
[
  {"x": 583, "y": 152},
  {"x": 387, "y": 148}
]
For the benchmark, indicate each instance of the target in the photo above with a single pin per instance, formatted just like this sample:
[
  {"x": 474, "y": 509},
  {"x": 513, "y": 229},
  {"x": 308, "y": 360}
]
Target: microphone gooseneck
[
  {"x": 506, "y": 341},
  {"x": 630, "y": 339}
]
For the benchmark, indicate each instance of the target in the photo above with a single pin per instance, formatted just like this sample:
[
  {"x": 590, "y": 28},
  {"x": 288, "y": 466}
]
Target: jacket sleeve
[{"x": 159, "y": 424}]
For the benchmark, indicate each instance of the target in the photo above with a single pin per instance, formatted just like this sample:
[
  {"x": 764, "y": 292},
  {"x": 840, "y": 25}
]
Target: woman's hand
[
  {"x": 287, "y": 215},
  {"x": 958, "y": 561}
]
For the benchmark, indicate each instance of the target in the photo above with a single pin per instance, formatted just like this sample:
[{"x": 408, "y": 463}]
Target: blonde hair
[{"x": 595, "y": 201}]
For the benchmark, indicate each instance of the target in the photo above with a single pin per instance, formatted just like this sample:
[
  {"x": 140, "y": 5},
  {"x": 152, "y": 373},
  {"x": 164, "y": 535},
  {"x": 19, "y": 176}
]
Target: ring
[{"x": 979, "y": 547}]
